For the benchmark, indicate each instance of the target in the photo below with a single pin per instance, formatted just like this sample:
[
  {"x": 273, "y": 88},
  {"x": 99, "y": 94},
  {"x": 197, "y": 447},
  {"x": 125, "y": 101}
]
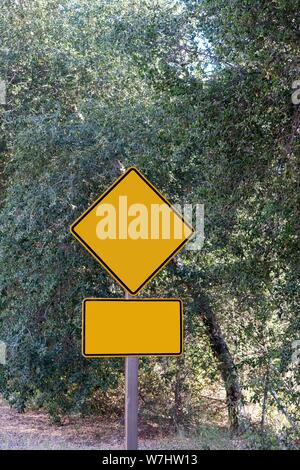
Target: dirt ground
[{"x": 32, "y": 430}]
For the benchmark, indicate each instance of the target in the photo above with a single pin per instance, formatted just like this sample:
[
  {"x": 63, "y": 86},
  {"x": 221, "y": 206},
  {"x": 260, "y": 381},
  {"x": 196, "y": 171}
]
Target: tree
[{"x": 197, "y": 95}]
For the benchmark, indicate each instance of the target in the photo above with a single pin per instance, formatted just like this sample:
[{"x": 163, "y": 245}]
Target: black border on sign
[
  {"x": 100, "y": 260},
  {"x": 131, "y": 300}
]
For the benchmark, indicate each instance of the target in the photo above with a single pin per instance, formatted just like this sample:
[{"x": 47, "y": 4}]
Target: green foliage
[{"x": 92, "y": 84}]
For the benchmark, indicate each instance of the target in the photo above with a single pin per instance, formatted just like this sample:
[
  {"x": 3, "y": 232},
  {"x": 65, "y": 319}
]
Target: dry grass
[{"x": 32, "y": 430}]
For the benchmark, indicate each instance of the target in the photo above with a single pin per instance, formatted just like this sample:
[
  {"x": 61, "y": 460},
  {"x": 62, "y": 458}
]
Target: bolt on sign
[{"x": 133, "y": 232}]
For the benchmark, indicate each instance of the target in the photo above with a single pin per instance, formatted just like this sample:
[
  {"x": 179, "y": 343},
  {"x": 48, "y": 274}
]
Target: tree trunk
[
  {"x": 219, "y": 347},
  {"x": 226, "y": 365},
  {"x": 265, "y": 400},
  {"x": 178, "y": 409}
]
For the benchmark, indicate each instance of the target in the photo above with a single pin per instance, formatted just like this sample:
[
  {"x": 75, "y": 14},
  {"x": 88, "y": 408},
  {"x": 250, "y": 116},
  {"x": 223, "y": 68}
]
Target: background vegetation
[{"x": 196, "y": 94}]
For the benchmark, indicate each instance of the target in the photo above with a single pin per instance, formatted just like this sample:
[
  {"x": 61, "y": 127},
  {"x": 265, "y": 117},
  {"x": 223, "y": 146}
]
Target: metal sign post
[
  {"x": 127, "y": 327},
  {"x": 131, "y": 399}
]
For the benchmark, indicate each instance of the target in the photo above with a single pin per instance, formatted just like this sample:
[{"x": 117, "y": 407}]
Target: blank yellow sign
[
  {"x": 134, "y": 327},
  {"x": 132, "y": 230}
]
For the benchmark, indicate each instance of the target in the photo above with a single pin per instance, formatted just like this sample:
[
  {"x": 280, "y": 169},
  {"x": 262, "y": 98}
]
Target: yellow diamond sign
[{"x": 132, "y": 230}]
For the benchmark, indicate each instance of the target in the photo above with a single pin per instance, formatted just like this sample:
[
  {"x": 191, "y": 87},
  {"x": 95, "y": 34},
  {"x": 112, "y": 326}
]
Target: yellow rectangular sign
[{"x": 133, "y": 327}]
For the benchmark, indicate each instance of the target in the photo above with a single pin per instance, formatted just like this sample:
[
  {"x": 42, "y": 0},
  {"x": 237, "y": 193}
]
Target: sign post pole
[
  {"x": 131, "y": 400},
  {"x": 116, "y": 327}
]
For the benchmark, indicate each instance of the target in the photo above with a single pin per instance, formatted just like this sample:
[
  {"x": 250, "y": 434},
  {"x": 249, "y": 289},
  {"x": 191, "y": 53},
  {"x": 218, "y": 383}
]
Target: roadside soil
[{"x": 32, "y": 430}]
